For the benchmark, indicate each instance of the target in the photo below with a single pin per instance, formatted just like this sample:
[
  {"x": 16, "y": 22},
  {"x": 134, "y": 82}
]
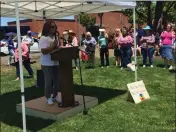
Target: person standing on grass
[
  {"x": 25, "y": 59},
  {"x": 84, "y": 56},
  {"x": 117, "y": 47},
  {"x": 103, "y": 47},
  {"x": 49, "y": 42},
  {"x": 90, "y": 44},
  {"x": 28, "y": 40},
  {"x": 74, "y": 42},
  {"x": 147, "y": 46},
  {"x": 11, "y": 49},
  {"x": 167, "y": 39},
  {"x": 125, "y": 42}
]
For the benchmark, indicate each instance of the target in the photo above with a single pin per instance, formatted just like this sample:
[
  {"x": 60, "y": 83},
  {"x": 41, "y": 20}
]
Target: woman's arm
[
  {"x": 130, "y": 39},
  {"x": 25, "y": 50},
  {"x": 120, "y": 40},
  {"x": 152, "y": 39},
  {"x": 49, "y": 49}
]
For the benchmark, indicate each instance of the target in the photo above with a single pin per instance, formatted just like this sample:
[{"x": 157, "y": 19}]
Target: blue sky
[{"x": 4, "y": 20}]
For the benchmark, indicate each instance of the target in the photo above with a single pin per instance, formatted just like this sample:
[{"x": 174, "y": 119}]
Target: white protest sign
[{"x": 138, "y": 92}]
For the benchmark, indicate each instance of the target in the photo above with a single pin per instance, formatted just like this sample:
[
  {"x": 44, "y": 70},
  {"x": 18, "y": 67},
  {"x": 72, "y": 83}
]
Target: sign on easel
[{"x": 137, "y": 92}]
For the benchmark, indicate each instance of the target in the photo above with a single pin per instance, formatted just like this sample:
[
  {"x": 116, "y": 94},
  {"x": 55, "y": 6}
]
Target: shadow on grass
[
  {"x": 172, "y": 71},
  {"x": 8, "y": 101},
  {"x": 160, "y": 65}
]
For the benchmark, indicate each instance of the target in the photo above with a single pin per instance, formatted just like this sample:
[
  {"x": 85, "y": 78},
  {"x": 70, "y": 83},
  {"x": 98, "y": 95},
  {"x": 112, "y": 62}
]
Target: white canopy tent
[{"x": 41, "y": 9}]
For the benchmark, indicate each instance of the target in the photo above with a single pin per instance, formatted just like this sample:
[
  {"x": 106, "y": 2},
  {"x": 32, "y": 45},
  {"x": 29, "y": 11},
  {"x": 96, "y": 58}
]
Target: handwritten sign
[{"x": 137, "y": 92}]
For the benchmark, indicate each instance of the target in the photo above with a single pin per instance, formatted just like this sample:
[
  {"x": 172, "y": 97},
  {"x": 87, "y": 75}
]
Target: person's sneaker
[
  {"x": 17, "y": 79},
  {"x": 171, "y": 68},
  {"x": 49, "y": 101},
  {"x": 151, "y": 66},
  {"x": 102, "y": 67},
  {"x": 121, "y": 68},
  {"x": 144, "y": 66},
  {"x": 107, "y": 66},
  {"x": 56, "y": 99}
]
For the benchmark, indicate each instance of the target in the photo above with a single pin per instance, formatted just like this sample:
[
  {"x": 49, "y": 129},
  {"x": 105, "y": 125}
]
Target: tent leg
[
  {"x": 21, "y": 67},
  {"x": 135, "y": 55}
]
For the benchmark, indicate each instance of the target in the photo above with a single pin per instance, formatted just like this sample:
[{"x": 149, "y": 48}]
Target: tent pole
[
  {"x": 80, "y": 70},
  {"x": 21, "y": 66},
  {"x": 135, "y": 46}
]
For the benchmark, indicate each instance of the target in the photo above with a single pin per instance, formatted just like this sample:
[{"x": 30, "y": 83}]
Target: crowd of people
[{"x": 122, "y": 41}]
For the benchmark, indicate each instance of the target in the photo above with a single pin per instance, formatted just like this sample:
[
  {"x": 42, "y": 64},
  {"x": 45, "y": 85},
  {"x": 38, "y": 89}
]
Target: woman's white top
[{"x": 45, "y": 60}]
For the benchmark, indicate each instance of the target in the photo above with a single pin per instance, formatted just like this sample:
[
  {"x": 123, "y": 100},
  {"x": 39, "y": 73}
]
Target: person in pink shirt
[
  {"x": 147, "y": 46},
  {"x": 25, "y": 58},
  {"x": 167, "y": 39},
  {"x": 125, "y": 41},
  {"x": 117, "y": 47},
  {"x": 74, "y": 42}
]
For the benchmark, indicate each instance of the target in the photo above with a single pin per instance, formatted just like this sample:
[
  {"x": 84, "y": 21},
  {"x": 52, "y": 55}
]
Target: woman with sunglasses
[{"x": 48, "y": 42}]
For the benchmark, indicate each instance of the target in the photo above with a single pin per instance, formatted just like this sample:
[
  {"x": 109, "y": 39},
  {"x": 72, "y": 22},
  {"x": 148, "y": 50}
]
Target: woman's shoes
[
  {"x": 17, "y": 79},
  {"x": 49, "y": 101}
]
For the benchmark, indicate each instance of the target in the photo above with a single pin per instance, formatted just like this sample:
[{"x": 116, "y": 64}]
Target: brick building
[{"x": 111, "y": 20}]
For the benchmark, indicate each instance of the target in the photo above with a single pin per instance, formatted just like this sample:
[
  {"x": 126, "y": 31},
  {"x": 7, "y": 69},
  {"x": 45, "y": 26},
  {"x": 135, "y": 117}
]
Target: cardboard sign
[{"x": 137, "y": 92}]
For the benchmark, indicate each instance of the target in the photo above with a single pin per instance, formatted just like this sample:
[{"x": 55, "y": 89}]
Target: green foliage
[
  {"x": 87, "y": 21},
  {"x": 112, "y": 114},
  {"x": 142, "y": 10}
]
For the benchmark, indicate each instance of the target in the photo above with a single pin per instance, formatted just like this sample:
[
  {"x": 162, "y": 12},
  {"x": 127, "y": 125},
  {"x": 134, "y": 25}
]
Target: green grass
[{"x": 113, "y": 113}]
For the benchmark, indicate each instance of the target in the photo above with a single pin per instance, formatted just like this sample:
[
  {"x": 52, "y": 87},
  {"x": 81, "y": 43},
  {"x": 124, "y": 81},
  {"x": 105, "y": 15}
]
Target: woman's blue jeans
[
  {"x": 126, "y": 54},
  {"x": 147, "y": 52}
]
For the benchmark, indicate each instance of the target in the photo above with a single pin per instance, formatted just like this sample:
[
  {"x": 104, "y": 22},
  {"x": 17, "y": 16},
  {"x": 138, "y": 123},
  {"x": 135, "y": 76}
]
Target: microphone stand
[{"x": 85, "y": 111}]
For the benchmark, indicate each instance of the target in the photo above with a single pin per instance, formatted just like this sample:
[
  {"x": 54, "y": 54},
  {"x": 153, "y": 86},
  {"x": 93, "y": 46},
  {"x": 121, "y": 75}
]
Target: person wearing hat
[
  {"x": 65, "y": 37},
  {"x": 72, "y": 40},
  {"x": 147, "y": 46}
]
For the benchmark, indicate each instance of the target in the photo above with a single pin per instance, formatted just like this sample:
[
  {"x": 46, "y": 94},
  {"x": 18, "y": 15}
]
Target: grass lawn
[{"x": 112, "y": 114}]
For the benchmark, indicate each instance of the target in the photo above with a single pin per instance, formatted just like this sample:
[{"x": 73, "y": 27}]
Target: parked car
[{"x": 4, "y": 47}]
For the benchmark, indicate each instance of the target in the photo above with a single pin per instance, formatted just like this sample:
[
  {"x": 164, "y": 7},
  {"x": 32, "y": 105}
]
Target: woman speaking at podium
[{"x": 49, "y": 42}]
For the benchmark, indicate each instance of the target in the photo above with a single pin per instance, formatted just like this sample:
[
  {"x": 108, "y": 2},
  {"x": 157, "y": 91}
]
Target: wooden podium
[{"x": 65, "y": 55}]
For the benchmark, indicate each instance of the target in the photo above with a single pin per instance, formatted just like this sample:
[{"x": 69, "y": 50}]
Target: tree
[
  {"x": 101, "y": 19},
  {"x": 87, "y": 21},
  {"x": 151, "y": 12}
]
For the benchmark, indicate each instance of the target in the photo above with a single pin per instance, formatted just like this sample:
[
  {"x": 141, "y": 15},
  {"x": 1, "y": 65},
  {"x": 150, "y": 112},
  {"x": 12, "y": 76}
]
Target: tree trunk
[
  {"x": 149, "y": 13},
  {"x": 158, "y": 12},
  {"x": 101, "y": 19}
]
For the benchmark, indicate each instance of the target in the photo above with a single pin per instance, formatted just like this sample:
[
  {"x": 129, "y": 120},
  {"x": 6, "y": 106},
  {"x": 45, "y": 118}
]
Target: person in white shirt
[
  {"x": 28, "y": 39},
  {"x": 48, "y": 42}
]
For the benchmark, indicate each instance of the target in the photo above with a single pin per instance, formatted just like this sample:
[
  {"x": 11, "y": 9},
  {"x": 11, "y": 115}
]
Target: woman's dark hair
[
  {"x": 126, "y": 29},
  {"x": 47, "y": 27},
  {"x": 150, "y": 32}
]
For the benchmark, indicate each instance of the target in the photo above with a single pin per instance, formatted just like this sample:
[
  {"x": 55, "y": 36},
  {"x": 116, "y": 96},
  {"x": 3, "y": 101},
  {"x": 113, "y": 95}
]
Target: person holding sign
[
  {"x": 147, "y": 46},
  {"x": 49, "y": 42}
]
